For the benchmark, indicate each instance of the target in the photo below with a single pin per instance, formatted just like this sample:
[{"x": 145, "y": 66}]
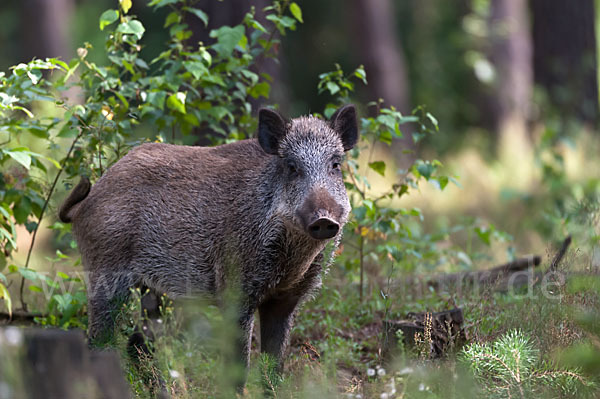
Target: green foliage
[
  {"x": 511, "y": 367},
  {"x": 21, "y": 198},
  {"x": 189, "y": 87},
  {"x": 381, "y": 231}
]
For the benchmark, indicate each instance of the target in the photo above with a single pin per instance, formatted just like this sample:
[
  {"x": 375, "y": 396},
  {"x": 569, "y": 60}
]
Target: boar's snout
[
  {"x": 323, "y": 228},
  {"x": 320, "y": 215}
]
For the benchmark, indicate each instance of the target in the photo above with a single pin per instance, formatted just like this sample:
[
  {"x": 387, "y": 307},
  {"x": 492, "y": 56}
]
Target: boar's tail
[{"x": 77, "y": 195}]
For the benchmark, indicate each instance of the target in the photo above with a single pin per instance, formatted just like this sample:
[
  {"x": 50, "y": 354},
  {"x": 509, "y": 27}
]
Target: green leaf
[
  {"x": 20, "y": 156},
  {"x": 296, "y": 11},
  {"x": 7, "y": 100},
  {"x": 199, "y": 13},
  {"x": 62, "y": 275},
  {"x": 4, "y": 294},
  {"x": 39, "y": 132},
  {"x": 67, "y": 132},
  {"x": 333, "y": 88},
  {"x": 28, "y": 274},
  {"x": 403, "y": 190},
  {"x": 361, "y": 74},
  {"x": 227, "y": 38},
  {"x": 196, "y": 68},
  {"x": 133, "y": 27},
  {"x": 123, "y": 100},
  {"x": 443, "y": 180},
  {"x": 433, "y": 120},
  {"x": 141, "y": 63},
  {"x": 22, "y": 209},
  {"x": 125, "y": 5},
  {"x": 378, "y": 166},
  {"x": 108, "y": 17},
  {"x": 35, "y": 288},
  {"x": 282, "y": 22},
  {"x": 409, "y": 119},
  {"x": 386, "y": 137},
  {"x": 171, "y": 19},
  {"x": 157, "y": 99},
  {"x": 425, "y": 169},
  {"x": 162, "y": 3},
  {"x": 31, "y": 226},
  {"x": 484, "y": 234},
  {"x": 34, "y": 76},
  {"x": 261, "y": 89},
  {"x": 177, "y": 102},
  {"x": 10, "y": 236},
  {"x": 128, "y": 66}
]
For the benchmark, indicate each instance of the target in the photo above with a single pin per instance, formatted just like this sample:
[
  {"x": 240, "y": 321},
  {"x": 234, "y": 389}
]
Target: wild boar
[{"x": 254, "y": 215}]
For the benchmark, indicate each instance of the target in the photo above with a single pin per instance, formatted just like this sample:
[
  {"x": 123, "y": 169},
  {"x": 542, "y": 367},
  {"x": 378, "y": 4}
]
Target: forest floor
[{"x": 339, "y": 345}]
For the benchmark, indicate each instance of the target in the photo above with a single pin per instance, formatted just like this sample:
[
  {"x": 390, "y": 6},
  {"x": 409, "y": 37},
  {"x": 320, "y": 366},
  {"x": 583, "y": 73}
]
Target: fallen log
[
  {"x": 485, "y": 277},
  {"x": 560, "y": 255}
]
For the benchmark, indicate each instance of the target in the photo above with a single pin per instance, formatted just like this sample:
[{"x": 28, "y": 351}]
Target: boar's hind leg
[{"x": 106, "y": 294}]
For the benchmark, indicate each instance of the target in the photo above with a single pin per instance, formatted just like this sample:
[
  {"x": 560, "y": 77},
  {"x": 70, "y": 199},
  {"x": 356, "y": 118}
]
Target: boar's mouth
[{"x": 320, "y": 215}]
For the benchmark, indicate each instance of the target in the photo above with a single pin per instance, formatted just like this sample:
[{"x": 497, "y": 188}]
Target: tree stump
[
  {"x": 58, "y": 364},
  {"x": 445, "y": 329}
]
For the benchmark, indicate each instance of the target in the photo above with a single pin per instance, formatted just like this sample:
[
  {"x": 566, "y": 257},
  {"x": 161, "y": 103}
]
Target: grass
[{"x": 336, "y": 349}]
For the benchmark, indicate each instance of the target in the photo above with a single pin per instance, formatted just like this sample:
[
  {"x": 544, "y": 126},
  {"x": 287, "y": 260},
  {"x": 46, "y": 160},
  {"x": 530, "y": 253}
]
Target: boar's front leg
[
  {"x": 276, "y": 319},
  {"x": 277, "y": 314}
]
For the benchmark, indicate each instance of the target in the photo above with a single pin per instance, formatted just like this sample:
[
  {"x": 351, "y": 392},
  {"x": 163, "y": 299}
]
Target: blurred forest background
[
  {"x": 512, "y": 85},
  {"x": 502, "y": 77}
]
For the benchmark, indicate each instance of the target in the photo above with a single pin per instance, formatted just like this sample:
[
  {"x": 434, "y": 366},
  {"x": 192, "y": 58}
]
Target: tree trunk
[
  {"x": 381, "y": 51},
  {"x": 565, "y": 56},
  {"x": 382, "y": 55},
  {"x": 45, "y": 30},
  {"x": 511, "y": 54}
]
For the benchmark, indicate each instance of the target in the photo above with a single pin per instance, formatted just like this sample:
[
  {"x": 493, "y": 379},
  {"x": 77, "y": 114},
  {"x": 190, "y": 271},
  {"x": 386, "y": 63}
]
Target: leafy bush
[{"x": 189, "y": 88}]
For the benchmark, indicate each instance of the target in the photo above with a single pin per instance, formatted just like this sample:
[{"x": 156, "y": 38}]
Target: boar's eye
[
  {"x": 292, "y": 168},
  {"x": 336, "y": 165}
]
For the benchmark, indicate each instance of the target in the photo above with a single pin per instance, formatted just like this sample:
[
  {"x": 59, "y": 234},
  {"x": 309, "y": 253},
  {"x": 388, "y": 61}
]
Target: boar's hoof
[{"x": 323, "y": 228}]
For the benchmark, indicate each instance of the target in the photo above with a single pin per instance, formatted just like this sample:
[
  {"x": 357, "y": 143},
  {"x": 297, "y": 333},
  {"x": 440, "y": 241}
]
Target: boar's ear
[
  {"x": 271, "y": 129},
  {"x": 343, "y": 121}
]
